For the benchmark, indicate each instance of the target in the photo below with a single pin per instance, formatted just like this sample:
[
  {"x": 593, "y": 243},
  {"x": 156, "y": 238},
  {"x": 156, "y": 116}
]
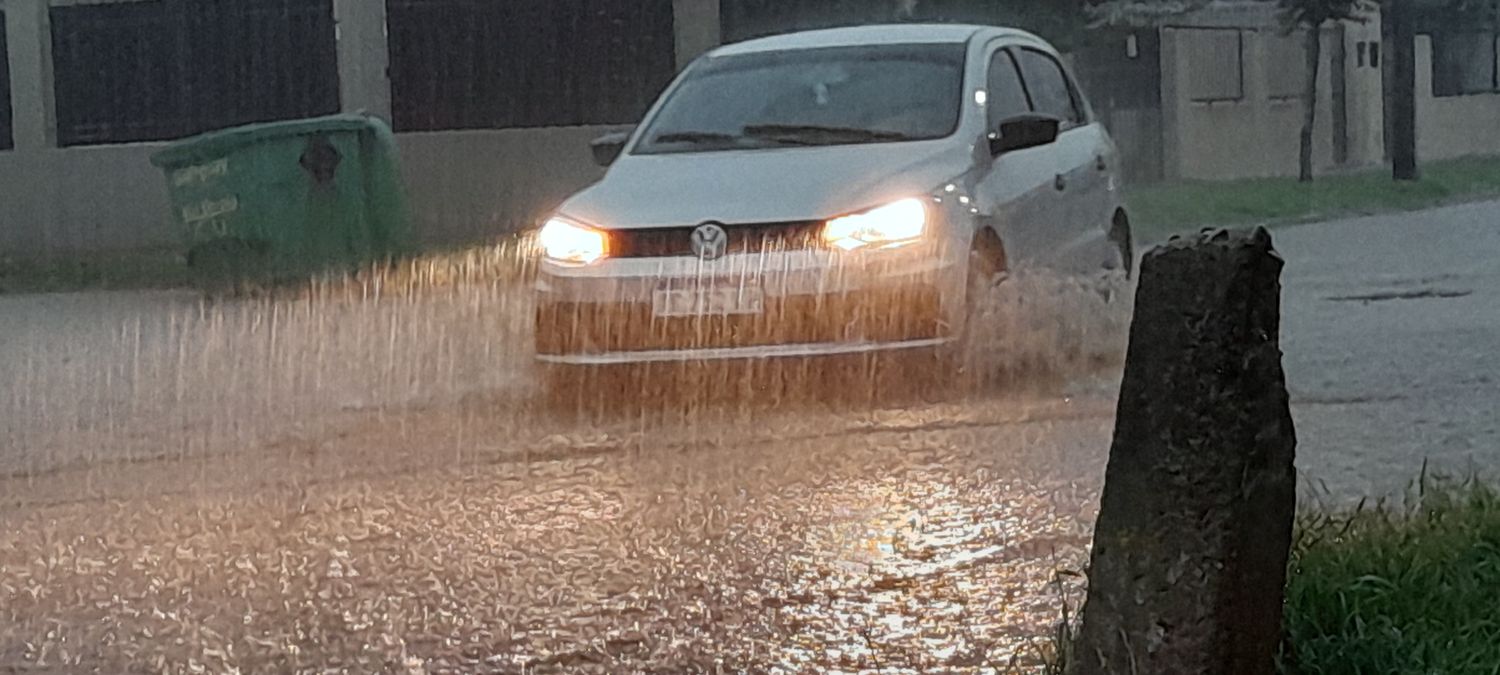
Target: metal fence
[
  {"x": 1464, "y": 62},
  {"x": 473, "y": 64},
  {"x": 1464, "y": 50},
  {"x": 144, "y": 71}
]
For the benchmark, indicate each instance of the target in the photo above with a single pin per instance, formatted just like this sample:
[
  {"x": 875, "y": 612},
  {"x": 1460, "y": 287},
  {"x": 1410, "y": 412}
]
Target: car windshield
[{"x": 831, "y": 96}]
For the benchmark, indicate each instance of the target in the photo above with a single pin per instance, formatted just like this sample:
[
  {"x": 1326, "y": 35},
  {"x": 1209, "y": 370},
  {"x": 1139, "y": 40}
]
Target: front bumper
[{"x": 816, "y": 303}]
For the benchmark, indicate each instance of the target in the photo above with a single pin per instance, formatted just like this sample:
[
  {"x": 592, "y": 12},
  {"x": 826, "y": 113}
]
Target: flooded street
[
  {"x": 377, "y": 484},
  {"x": 366, "y": 480},
  {"x": 933, "y": 534}
]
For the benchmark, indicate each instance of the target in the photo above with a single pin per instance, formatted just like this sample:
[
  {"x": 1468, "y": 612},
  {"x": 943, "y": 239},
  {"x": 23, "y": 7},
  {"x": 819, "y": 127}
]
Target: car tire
[
  {"x": 986, "y": 270},
  {"x": 1120, "y": 269}
]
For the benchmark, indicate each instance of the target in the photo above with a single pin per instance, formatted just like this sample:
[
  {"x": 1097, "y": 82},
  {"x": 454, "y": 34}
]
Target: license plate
[{"x": 708, "y": 302}]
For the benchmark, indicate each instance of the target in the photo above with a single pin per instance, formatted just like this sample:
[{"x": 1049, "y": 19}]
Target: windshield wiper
[
  {"x": 813, "y": 134},
  {"x": 697, "y": 137}
]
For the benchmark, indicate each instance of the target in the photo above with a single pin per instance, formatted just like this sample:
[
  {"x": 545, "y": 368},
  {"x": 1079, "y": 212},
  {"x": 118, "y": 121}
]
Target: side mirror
[
  {"x": 607, "y": 148},
  {"x": 1024, "y": 131}
]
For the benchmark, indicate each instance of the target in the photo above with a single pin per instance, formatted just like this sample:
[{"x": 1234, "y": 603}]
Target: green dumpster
[{"x": 288, "y": 198}]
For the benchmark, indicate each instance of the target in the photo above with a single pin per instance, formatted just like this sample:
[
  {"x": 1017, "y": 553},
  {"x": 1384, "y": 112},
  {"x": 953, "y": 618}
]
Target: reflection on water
[
  {"x": 790, "y": 556},
  {"x": 342, "y": 482}
]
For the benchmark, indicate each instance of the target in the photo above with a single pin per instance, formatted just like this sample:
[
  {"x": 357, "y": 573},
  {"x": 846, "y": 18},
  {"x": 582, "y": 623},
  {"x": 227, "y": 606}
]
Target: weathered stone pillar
[
  {"x": 1190, "y": 552},
  {"x": 697, "y": 25},
  {"x": 1172, "y": 67},
  {"x": 30, "y": 40}
]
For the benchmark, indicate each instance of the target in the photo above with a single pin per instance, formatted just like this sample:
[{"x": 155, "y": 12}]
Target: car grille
[
  {"x": 669, "y": 242},
  {"x": 864, "y": 316}
]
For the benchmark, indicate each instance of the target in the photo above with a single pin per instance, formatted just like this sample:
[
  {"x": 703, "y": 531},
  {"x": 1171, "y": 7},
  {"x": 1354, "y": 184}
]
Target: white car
[{"x": 829, "y": 192}]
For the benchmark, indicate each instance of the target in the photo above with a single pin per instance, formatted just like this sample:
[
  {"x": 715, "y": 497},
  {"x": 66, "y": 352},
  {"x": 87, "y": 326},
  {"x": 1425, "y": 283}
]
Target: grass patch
[
  {"x": 1160, "y": 211},
  {"x": 1410, "y": 590},
  {"x": 1402, "y": 590},
  {"x": 504, "y": 260},
  {"x": 117, "y": 271}
]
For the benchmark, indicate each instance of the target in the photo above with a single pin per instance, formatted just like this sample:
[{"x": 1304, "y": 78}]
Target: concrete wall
[
  {"x": 698, "y": 28},
  {"x": 1138, "y": 134},
  {"x": 364, "y": 57},
  {"x": 468, "y": 185},
  {"x": 82, "y": 199},
  {"x": 1219, "y": 126},
  {"x": 1453, "y": 126},
  {"x": 1366, "y": 95},
  {"x": 1250, "y": 135}
]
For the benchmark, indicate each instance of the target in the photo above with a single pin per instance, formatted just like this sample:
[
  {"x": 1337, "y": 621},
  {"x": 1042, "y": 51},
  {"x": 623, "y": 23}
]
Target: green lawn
[
  {"x": 1394, "y": 591},
  {"x": 141, "y": 269},
  {"x": 1162, "y": 210},
  {"x": 1399, "y": 592}
]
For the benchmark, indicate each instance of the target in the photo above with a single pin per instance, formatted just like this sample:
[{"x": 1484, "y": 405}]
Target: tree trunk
[
  {"x": 1402, "y": 106},
  {"x": 1314, "y": 50}
]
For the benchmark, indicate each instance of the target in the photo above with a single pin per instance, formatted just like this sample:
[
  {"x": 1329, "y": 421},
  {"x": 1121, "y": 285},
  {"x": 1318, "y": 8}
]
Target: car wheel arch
[{"x": 988, "y": 245}]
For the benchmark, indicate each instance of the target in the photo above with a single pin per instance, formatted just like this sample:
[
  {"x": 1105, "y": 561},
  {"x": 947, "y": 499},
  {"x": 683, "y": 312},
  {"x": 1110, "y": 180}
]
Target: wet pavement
[
  {"x": 927, "y": 540},
  {"x": 1389, "y": 328},
  {"x": 368, "y": 484}
]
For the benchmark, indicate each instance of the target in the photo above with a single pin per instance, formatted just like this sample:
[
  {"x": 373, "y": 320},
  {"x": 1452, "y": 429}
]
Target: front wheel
[{"x": 986, "y": 271}]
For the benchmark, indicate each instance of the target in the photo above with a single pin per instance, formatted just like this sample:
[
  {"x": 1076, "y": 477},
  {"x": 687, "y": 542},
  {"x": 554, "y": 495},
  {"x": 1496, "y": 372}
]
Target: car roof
[{"x": 902, "y": 33}]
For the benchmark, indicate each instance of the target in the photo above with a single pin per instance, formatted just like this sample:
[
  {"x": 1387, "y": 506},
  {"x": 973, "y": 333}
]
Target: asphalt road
[
  {"x": 307, "y": 486},
  {"x": 1390, "y": 327}
]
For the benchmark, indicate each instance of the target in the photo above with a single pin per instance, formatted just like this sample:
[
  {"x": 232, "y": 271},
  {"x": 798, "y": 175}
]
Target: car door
[
  {"x": 1075, "y": 220},
  {"x": 1102, "y": 181},
  {"x": 1016, "y": 193}
]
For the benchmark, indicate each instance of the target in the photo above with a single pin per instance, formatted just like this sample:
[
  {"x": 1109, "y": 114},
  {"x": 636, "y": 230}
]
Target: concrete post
[
  {"x": 698, "y": 30},
  {"x": 364, "y": 56},
  {"x": 1190, "y": 551},
  {"x": 1401, "y": 106},
  {"x": 33, "y": 124},
  {"x": 1255, "y": 65},
  {"x": 28, "y": 220},
  {"x": 1172, "y": 69}
]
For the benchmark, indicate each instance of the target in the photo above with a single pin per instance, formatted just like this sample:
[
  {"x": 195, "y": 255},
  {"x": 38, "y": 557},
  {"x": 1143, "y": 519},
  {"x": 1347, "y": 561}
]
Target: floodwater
[
  {"x": 360, "y": 478},
  {"x": 365, "y": 477}
]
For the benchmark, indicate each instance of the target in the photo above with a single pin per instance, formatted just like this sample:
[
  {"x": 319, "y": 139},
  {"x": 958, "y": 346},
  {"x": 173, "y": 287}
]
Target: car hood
[{"x": 762, "y": 186}]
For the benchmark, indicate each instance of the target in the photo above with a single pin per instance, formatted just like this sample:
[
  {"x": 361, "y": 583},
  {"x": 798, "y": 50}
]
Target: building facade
[{"x": 495, "y": 102}]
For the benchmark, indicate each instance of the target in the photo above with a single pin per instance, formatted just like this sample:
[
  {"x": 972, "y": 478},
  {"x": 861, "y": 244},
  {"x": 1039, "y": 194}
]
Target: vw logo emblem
[{"x": 710, "y": 241}]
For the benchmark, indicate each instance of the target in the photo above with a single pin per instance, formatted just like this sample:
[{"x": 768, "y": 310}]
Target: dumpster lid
[{"x": 215, "y": 144}]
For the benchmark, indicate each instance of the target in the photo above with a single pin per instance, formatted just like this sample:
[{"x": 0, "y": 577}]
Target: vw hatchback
[{"x": 829, "y": 192}]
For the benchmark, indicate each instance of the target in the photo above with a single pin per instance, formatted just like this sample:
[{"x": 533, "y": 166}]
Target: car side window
[
  {"x": 1007, "y": 96},
  {"x": 1048, "y": 85}
]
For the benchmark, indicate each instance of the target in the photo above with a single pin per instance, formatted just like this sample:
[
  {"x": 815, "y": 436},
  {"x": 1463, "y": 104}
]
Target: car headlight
[
  {"x": 899, "y": 222},
  {"x": 568, "y": 242}
]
